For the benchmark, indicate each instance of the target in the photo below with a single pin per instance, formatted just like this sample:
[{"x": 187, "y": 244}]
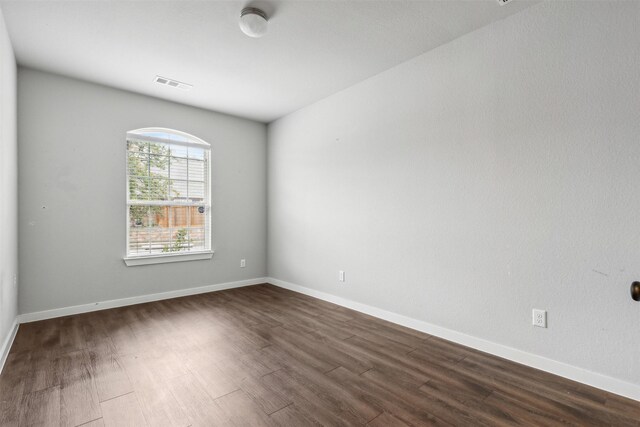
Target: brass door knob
[{"x": 635, "y": 291}]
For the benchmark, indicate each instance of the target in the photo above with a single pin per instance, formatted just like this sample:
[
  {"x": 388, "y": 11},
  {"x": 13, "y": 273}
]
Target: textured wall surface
[
  {"x": 493, "y": 175},
  {"x": 8, "y": 186},
  {"x": 73, "y": 200}
]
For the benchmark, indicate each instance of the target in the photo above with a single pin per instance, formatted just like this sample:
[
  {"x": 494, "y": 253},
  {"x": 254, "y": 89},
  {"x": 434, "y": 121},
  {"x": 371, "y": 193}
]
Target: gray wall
[
  {"x": 493, "y": 175},
  {"x": 8, "y": 186},
  {"x": 73, "y": 202}
]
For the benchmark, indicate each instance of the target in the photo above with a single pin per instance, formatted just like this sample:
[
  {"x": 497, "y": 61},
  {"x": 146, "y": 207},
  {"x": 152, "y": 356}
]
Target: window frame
[{"x": 188, "y": 141}]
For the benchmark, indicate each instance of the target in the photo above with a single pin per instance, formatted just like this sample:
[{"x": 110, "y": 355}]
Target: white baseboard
[
  {"x": 574, "y": 373},
  {"x": 103, "y": 305},
  {"x": 8, "y": 342}
]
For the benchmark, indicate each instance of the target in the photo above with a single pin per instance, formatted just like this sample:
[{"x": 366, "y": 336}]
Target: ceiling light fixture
[{"x": 253, "y": 22}]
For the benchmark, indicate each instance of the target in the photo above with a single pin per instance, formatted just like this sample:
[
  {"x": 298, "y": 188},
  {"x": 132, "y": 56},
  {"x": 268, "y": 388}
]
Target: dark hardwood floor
[{"x": 262, "y": 355}]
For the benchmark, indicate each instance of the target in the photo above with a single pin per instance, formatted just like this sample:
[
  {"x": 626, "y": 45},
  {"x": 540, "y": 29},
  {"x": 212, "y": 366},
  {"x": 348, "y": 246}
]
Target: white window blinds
[{"x": 168, "y": 193}]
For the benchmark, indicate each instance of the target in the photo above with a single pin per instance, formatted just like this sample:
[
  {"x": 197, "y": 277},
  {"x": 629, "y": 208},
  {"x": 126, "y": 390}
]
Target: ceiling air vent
[
  {"x": 172, "y": 83},
  {"x": 503, "y": 2}
]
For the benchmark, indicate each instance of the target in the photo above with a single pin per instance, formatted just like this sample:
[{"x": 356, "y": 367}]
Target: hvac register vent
[{"x": 172, "y": 83}]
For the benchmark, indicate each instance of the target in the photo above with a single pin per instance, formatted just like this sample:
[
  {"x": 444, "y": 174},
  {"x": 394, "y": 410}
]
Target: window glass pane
[
  {"x": 138, "y": 146},
  {"x": 196, "y": 191},
  {"x": 138, "y": 188},
  {"x": 178, "y": 190},
  {"x": 139, "y": 241},
  {"x": 178, "y": 168},
  {"x": 159, "y": 165},
  {"x": 159, "y": 231},
  {"x": 196, "y": 170},
  {"x": 179, "y": 217},
  {"x": 159, "y": 149},
  {"x": 198, "y": 227},
  {"x": 138, "y": 216},
  {"x": 196, "y": 239},
  {"x": 178, "y": 150},
  {"x": 163, "y": 135},
  {"x": 138, "y": 230},
  {"x": 158, "y": 189},
  {"x": 138, "y": 164},
  {"x": 159, "y": 239},
  {"x": 196, "y": 153},
  {"x": 179, "y": 240},
  {"x": 159, "y": 216},
  {"x": 197, "y": 217}
]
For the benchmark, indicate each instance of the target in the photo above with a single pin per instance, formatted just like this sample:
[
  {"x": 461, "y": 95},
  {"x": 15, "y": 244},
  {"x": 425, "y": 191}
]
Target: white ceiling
[{"x": 312, "y": 50}]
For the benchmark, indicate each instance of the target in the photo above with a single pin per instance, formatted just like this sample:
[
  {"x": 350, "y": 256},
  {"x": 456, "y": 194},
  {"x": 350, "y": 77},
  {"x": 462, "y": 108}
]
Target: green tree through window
[{"x": 147, "y": 182}]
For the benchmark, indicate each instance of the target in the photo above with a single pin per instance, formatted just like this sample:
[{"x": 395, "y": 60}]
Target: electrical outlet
[
  {"x": 15, "y": 281},
  {"x": 539, "y": 318},
  {"x": 341, "y": 276},
  {"x": 243, "y": 263}
]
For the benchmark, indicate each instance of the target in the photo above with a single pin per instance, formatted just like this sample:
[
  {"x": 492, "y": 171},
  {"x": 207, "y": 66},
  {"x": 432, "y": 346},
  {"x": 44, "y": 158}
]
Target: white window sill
[{"x": 164, "y": 258}]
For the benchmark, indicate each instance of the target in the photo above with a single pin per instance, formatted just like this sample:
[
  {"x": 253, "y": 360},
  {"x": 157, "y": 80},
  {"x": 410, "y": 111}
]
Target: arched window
[{"x": 168, "y": 197}]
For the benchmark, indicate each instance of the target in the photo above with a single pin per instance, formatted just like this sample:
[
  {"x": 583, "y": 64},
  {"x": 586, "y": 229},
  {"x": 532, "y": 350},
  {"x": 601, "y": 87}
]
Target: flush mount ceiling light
[{"x": 253, "y": 22}]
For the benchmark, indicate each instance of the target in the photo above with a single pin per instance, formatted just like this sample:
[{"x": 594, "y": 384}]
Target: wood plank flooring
[{"x": 264, "y": 356}]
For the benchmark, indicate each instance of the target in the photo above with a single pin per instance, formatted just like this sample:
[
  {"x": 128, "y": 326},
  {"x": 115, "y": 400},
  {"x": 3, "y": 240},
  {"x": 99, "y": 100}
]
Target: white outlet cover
[
  {"x": 539, "y": 318},
  {"x": 341, "y": 276}
]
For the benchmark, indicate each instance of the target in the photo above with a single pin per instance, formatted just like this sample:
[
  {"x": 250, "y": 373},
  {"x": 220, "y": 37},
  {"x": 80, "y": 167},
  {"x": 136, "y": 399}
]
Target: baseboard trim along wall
[
  {"x": 8, "y": 342},
  {"x": 103, "y": 305},
  {"x": 584, "y": 376},
  {"x": 580, "y": 375}
]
